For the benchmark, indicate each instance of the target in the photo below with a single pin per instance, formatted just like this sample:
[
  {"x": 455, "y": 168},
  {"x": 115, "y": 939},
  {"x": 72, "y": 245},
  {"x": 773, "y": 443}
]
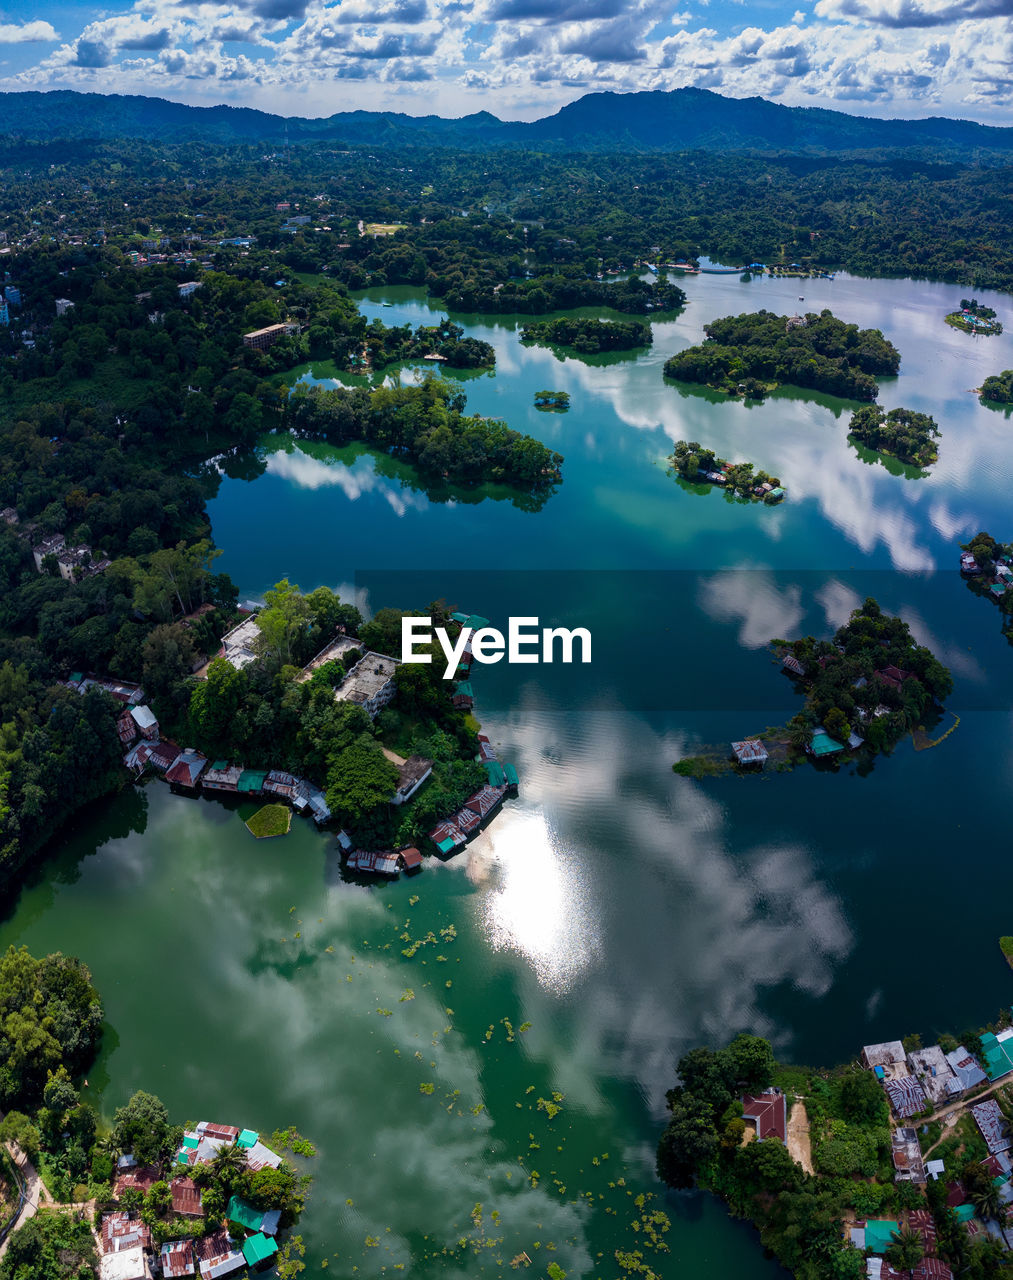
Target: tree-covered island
[
  {"x": 830, "y": 1164},
  {"x": 205, "y": 1192},
  {"x": 974, "y": 317},
  {"x": 900, "y": 433},
  {"x": 987, "y": 565},
  {"x": 998, "y": 388},
  {"x": 587, "y": 335},
  {"x": 698, "y": 465},
  {"x": 864, "y": 689},
  {"x": 754, "y": 353}
]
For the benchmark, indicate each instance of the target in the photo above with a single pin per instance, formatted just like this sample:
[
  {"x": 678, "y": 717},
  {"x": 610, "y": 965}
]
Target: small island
[
  {"x": 270, "y": 820},
  {"x": 587, "y": 335},
  {"x": 892, "y": 1164},
  {"x": 988, "y": 567},
  {"x": 697, "y": 465},
  {"x": 902, "y": 434},
  {"x": 755, "y": 353},
  {"x": 973, "y": 317},
  {"x": 864, "y": 690},
  {"x": 559, "y": 400},
  {"x": 998, "y": 388}
]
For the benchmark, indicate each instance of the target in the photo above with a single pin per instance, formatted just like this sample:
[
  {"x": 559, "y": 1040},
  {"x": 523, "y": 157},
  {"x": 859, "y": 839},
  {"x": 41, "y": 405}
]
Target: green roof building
[
  {"x": 964, "y": 1212},
  {"x": 462, "y": 618},
  {"x": 248, "y": 1138},
  {"x": 510, "y": 773},
  {"x": 244, "y": 1214},
  {"x": 252, "y": 780},
  {"x": 476, "y": 622},
  {"x": 495, "y": 771},
  {"x": 879, "y": 1234},
  {"x": 258, "y": 1250},
  {"x": 996, "y": 1056},
  {"x": 823, "y": 745},
  {"x": 446, "y": 846}
]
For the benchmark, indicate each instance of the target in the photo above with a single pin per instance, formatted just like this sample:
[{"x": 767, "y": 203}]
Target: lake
[{"x": 623, "y": 912}]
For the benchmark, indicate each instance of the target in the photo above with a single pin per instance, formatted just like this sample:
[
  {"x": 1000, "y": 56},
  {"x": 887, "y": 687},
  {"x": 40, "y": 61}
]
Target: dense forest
[
  {"x": 750, "y": 353},
  {"x": 802, "y": 1216},
  {"x": 588, "y": 336},
  {"x": 901, "y": 433}
]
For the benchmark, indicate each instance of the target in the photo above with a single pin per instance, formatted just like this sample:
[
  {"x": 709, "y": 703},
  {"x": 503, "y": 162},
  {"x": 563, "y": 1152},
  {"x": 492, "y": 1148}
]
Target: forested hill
[{"x": 680, "y": 120}]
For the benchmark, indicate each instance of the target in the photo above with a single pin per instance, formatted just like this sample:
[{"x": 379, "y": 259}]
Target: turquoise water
[{"x": 625, "y": 912}]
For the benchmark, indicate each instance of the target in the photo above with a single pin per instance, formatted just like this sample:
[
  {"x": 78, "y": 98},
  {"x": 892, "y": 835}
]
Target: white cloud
[{"x": 26, "y": 33}]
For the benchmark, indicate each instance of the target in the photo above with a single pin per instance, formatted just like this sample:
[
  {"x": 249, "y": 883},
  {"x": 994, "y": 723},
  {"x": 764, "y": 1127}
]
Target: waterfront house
[
  {"x": 410, "y": 776},
  {"x": 281, "y": 784},
  {"x": 185, "y": 773},
  {"x": 126, "y": 728},
  {"x": 177, "y": 1259},
  {"x": 933, "y": 1071},
  {"x": 485, "y": 748},
  {"x": 412, "y": 858},
  {"x": 750, "y": 751},
  {"x": 310, "y": 798},
  {"x": 259, "y": 1250},
  {"x": 966, "y": 1068},
  {"x": 907, "y": 1097},
  {"x": 766, "y": 1111},
  {"x": 992, "y": 1123},
  {"x": 484, "y": 800},
  {"x": 223, "y": 776},
  {"x": 968, "y": 564},
  {"x": 383, "y": 863},
  {"x": 823, "y": 745},
  {"x": 251, "y": 782},
  {"x": 790, "y": 663},
  {"x": 887, "y": 1061},
  {"x": 447, "y": 836},
  {"x": 244, "y": 1215},
  {"x": 163, "y": 755}
]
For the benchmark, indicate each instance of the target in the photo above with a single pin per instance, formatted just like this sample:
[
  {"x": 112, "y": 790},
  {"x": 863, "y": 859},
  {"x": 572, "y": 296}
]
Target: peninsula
[{"x": 896, "y": 1165}]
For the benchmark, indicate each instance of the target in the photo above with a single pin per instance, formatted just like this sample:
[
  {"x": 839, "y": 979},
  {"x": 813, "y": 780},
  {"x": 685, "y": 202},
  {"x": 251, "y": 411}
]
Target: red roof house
[{"x": 767, "y": 1112}]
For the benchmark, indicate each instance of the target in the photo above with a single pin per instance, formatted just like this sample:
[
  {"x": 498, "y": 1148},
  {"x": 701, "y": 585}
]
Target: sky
[{"x": 519, "y": 59}]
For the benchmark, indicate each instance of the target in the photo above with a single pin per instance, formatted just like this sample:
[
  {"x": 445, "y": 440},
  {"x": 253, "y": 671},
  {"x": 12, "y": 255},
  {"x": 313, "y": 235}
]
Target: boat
[
  {"x": 386, "y": 304},
  {"x": 721, "y": 271}
]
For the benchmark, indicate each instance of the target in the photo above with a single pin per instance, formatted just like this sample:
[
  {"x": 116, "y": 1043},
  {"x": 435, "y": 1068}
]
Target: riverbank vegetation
[
  {"x": 900, "y": 433},
  {"x": 802, "y": 1216},
  {"x": 998, "y": 388},
  {"x": 816, "y": 352},
  {"x": 587, "y": 335},
  {"x": 698, "y": 465}
]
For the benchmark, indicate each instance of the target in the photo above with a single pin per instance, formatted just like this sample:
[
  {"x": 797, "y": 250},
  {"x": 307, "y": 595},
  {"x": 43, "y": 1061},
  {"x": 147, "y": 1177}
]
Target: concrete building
[
  {"x": 261, "y": 339},
  {"x": 238, "y": 644},
  {"x": 370, "y": 683},
  {"x": 63, "y": 305},
  {"x": 935, "y": 1074},
  {"x": 410, "y": 776},
  {"x": 189, "y": 288}
]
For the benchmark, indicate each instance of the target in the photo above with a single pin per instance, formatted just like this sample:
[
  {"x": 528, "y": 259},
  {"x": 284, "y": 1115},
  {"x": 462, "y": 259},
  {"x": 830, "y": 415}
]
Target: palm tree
[
  {"x": 226, "y": 1163},
  {"x": 986, "y": 1201},
  {"x": 906, "y": 1251}
]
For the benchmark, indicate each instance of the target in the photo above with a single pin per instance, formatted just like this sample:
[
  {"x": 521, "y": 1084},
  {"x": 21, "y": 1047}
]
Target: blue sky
[{"x": 519, "y": 59}]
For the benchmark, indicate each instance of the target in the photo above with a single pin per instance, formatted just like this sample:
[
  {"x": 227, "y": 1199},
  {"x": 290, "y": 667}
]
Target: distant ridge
[{"x": 679, "y": 120}]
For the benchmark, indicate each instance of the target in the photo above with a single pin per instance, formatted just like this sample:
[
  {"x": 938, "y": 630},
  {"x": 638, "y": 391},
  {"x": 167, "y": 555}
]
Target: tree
[
  {"x": 360, "y": 779},
  {"x": 283, "y": 623},
  {"x": 50, "y": 1246},
  {"x": 906, "y": 1251},
  {"x": 751, "y": 1062},
  {"x": 215, "y": 702},
  {"x": 227, "y": 1163},
  {"x": 17, "y": 1128},
  {"x": 767, "y": 1166},
  {"x": 863, "y": 1100},
  {"x": 986, "y": 1200},
  {"x": 688, "y": 1143},
  {"x": 142, "y": 1126}
]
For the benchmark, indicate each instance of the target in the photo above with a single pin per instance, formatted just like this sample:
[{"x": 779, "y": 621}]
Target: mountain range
[{"x": 678, "y": 120}]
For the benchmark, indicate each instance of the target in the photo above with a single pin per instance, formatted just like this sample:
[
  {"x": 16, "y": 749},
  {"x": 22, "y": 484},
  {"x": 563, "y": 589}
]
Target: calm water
[{"x": 624, "y": 912}]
